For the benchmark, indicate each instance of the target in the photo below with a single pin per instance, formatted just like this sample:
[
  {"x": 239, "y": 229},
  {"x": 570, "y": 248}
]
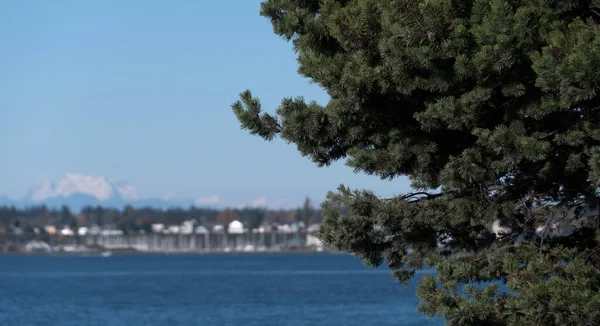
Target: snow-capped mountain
[
  {"x": 77, "y": 190},
  {"x": 100, "y": 188}
]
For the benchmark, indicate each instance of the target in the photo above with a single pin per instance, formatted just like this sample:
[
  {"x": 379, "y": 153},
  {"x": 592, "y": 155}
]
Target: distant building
[
  {"x": 313, "y": 228},
  {"x": 34, "y": 246},
  {"x": 284, "y": 228},
  {"x": 94, "y": 230},
  {"x": 50, "y": 229},
  {"x": 113, "y": 232},
  {"x": 313, "y": 241},
  {"x": 201, "y": 230},
  {"x": 157, "y": 228},
  {"x": 187, "y": 227},
  {"x": 66, "y": 231},
  {"x": 235, "y": 227}
]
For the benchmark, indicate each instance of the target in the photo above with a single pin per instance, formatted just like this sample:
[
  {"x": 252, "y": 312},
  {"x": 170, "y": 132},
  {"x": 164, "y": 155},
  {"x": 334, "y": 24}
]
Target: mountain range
[{"x": 76, "y": 191}]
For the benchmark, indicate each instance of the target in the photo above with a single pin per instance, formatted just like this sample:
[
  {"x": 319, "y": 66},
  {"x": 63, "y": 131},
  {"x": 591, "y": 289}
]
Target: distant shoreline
[{"x": 173, "y": 253}]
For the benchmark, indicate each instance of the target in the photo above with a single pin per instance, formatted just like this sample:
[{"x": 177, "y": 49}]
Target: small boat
[{"x": 106, "y": 254}]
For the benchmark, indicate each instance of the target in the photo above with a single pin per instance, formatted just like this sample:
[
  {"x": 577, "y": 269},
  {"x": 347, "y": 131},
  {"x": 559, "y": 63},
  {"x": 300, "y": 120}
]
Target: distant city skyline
[{"x": 140, "y": 91}]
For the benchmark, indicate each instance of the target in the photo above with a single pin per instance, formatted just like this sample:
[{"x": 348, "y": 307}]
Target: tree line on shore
[{"x": 131, "y": 220}]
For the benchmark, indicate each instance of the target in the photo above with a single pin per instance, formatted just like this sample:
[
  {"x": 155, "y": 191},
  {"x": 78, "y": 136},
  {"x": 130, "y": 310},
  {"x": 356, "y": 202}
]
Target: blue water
[{"x": 263, "y": 289}]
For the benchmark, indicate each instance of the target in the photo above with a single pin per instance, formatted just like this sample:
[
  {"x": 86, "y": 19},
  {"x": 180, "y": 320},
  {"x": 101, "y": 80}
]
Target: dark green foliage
[{"x": 491, "y": 108}]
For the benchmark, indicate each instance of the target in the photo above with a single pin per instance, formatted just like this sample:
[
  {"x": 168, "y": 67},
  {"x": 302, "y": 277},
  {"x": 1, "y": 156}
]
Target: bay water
[{"x": 228, "y": 289}]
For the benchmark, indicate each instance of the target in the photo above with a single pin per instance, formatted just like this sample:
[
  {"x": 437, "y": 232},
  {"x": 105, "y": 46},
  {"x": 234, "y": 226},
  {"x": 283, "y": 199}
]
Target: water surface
[{"x": 262, "y": 289}]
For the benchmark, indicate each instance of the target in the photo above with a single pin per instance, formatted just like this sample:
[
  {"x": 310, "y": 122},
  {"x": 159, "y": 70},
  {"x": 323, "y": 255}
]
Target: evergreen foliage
[{"x": 491, "y": 108}]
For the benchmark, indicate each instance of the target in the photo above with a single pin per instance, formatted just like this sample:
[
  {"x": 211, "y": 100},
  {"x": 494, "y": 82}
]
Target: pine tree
[{"x": 492, "y": 109}]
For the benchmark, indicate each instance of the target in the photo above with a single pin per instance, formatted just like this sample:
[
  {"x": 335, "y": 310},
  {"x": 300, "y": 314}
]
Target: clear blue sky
[{"x": 140, "y": 90}]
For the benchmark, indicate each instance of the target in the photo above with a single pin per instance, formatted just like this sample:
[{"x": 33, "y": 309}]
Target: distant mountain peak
[
  {"x": 77, "y": 191},
  {"x": 71, "y": 184}
]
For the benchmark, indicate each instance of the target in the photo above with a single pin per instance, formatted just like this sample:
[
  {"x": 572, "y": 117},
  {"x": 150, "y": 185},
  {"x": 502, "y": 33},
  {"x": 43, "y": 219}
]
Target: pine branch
[
  {"x": 410, "y": 196},
  {"x": 596, "y": 7}
]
